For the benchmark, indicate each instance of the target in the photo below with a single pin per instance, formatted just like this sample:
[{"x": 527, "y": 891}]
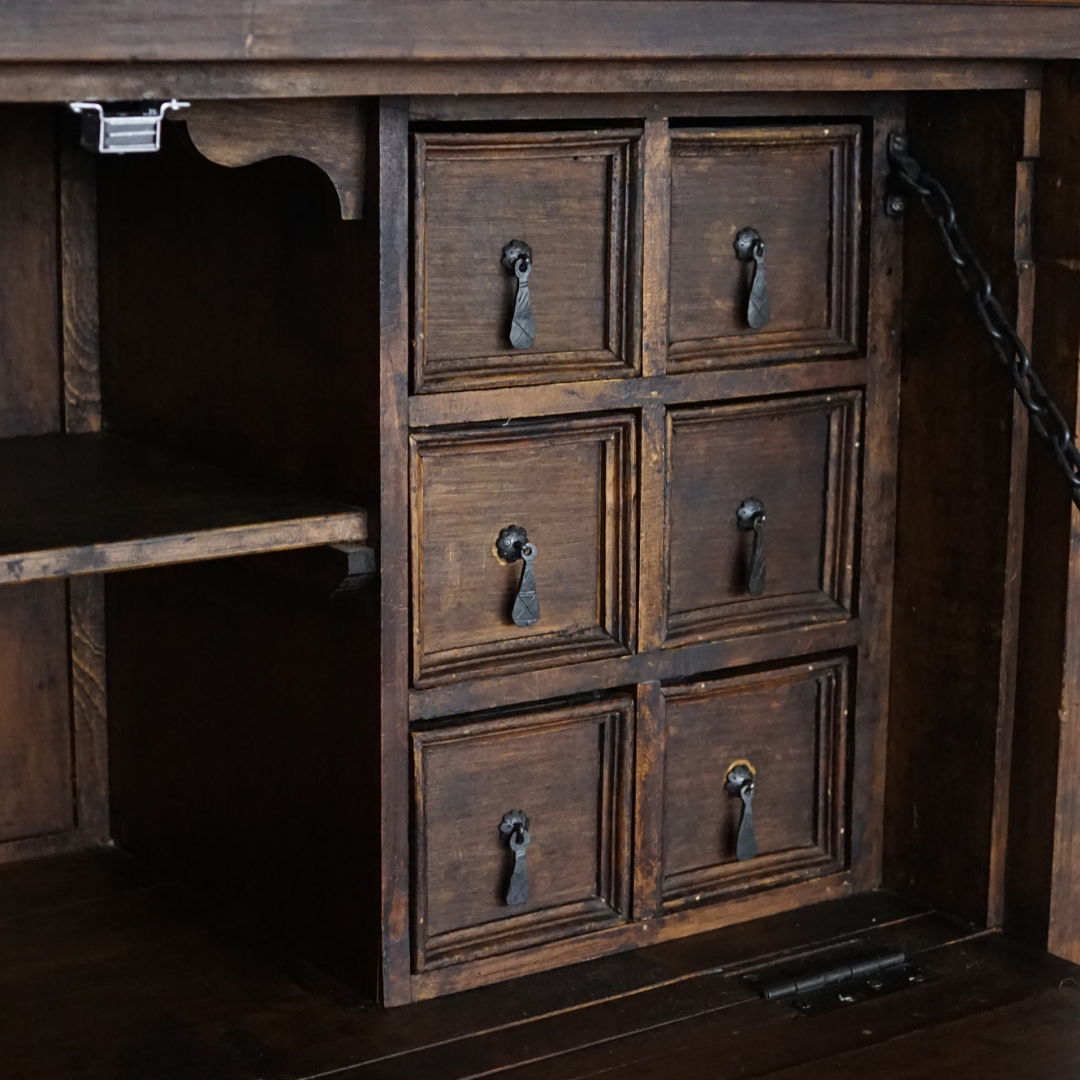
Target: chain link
[{"x": 1047, "y": 420}]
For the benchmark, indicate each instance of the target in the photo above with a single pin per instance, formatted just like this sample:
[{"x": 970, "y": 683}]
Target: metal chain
[{"x": 1047, "y": 420}]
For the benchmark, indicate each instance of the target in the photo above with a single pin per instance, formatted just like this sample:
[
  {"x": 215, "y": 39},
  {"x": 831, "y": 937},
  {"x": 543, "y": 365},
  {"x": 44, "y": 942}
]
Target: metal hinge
[
  {"x": 125, "y": 129},
  {"x": 844, "y": 975}
]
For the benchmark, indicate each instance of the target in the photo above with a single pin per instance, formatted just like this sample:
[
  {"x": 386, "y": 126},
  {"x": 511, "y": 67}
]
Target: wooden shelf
[
  {"x": 90, "y": 504},
  {"x": 109, "y": 970}
]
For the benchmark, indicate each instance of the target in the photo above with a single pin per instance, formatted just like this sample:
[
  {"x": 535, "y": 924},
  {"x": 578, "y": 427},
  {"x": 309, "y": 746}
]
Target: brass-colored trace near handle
[{"x": 740, "y": 784}]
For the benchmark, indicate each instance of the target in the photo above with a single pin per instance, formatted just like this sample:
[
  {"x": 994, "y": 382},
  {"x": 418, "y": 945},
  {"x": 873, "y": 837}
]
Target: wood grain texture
[
  {"x": 81, "y": 332},
  {"x": 265, "y": 378},
  {"x": 656, "y": 243},
  {"x": 158, "y": 30},
  {"x": 36, "y": 797},
  {"x": 328, "y": 132},
  {"x": 29, "y": 340},
  {"x": 569, "y": 769},
  {"x": 669, "y": 664},
  {"x": 798, "y": 457},
  {"x": 86, "y": 617},
  {"x": 877, "y": 542},
  {"x": 574, "y": 199},
  {"x": 81, "y": 356},
  {"x": 800, "y": 188},
  {"x": 117, "y": 951},
  {"x": 43, "y": 804},
  {"x": 392, "y": 127},
  {"x": 572, "y": 485},
  {"x": 268, "y": 362},
  {"x": 791, "y": 723},
  {"x": 77, "y": 504},
  {"x": 1042, "y": 864},
  {"x": 1026, "y": 170},
  {"x": 996, "y": 1045},
  {"x": 45, "y": 82},
  {"x": 426, "y": 410},
  {"x": 950, "y": 638}
]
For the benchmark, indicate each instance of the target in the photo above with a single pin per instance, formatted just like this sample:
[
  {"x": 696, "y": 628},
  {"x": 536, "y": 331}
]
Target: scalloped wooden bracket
[{"x": 326, "y": 131}]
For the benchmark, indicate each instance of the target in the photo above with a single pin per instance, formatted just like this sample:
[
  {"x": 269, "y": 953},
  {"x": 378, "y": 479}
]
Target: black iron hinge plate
[{"x": 844, "y": 975}]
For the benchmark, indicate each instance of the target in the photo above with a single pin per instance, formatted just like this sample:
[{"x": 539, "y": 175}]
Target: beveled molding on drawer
[
  {"x": 571, "y": 199},
  {"x": 522, "y": 830},
  {"x": 761, "y": 515},
  {"x": 789, "y": 727},
  {"x": 799, "y": 189},
  {"x": 561, "y": 491}
]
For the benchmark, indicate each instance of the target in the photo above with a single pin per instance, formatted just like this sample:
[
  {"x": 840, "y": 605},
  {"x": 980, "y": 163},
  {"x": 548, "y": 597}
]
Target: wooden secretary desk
[{"x": 507, "y": 503}]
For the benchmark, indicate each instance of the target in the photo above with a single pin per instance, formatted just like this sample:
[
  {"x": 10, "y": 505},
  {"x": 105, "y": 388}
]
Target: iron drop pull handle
[
  {"x": 514, "y": 544},
  {"x": 740, "y": 785},
  {"x": 751, "y": 517},
  {"x": 749, "y": 247},
  {"x": 517, "y": 257},
  {"x": 514, "y": 828}
]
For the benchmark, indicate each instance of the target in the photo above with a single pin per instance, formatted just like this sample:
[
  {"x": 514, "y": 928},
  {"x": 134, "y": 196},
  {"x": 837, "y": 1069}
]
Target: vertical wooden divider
[
  {"x": 649, "y": 741},
  {"x": 393, "y": 218},
  {"x": 81, "y": 353},
  {"x": 656, "y": 155},
  {"x": 1010, "y": 614},
  {"x": 1042, "y": 867},
  {"x": 648, "y": 800},
  {"x": 879, "y": 435}
]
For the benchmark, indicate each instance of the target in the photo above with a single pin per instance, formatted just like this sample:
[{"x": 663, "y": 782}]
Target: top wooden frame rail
[{"x": 156, "y": 31}]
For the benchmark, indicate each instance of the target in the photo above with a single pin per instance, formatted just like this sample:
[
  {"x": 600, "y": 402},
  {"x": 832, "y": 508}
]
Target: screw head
[{"x": 895, "y": 205}]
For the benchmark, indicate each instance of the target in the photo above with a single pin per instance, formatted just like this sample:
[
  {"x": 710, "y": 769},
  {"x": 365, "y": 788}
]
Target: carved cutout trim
[{"x": 329, "y": 132}]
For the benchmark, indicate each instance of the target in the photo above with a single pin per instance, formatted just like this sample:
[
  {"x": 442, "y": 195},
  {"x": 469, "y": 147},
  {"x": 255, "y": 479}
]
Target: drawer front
[
  {"x": 571, "y": 485},
  {"x": 799, "y": 189},
  {"x": 789, "y": 726},
  {"x": 794, "y": 459},
  {"x": 568, "y": 196},
  {"x": 569, "y": 771}
]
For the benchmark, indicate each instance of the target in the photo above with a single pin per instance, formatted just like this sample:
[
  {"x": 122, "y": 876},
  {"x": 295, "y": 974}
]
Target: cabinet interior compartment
[{"x": 284, "y": 384}]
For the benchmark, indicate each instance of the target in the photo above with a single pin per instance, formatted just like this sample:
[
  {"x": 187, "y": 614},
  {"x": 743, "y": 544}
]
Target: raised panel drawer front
[
  {"x": 569, "y": 486},
  {"x": 788, "y": 727},
  {"x": 565, "y": 774},
  {"x": 568, "y": 196},
  {"x": 794, "y": 462},
  {"x": 798, "y": 189}
]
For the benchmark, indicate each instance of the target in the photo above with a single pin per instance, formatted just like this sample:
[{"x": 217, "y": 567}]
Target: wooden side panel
[
  {"x": 37, "y": 796},
  {"x": 957, "y": 556},
  {"x": 35, "y": 731},
  {"x": 29, "y": 341},
  {"x": 1043, "y": 867},
  {"x": 392, "y": 127}
]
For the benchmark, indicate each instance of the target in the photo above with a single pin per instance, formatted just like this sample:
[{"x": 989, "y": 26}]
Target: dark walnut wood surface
[
  {"x": 166, "y": 30},
  {"x": 85, "y": 504},
  {"x": 107, "y": 971}
]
